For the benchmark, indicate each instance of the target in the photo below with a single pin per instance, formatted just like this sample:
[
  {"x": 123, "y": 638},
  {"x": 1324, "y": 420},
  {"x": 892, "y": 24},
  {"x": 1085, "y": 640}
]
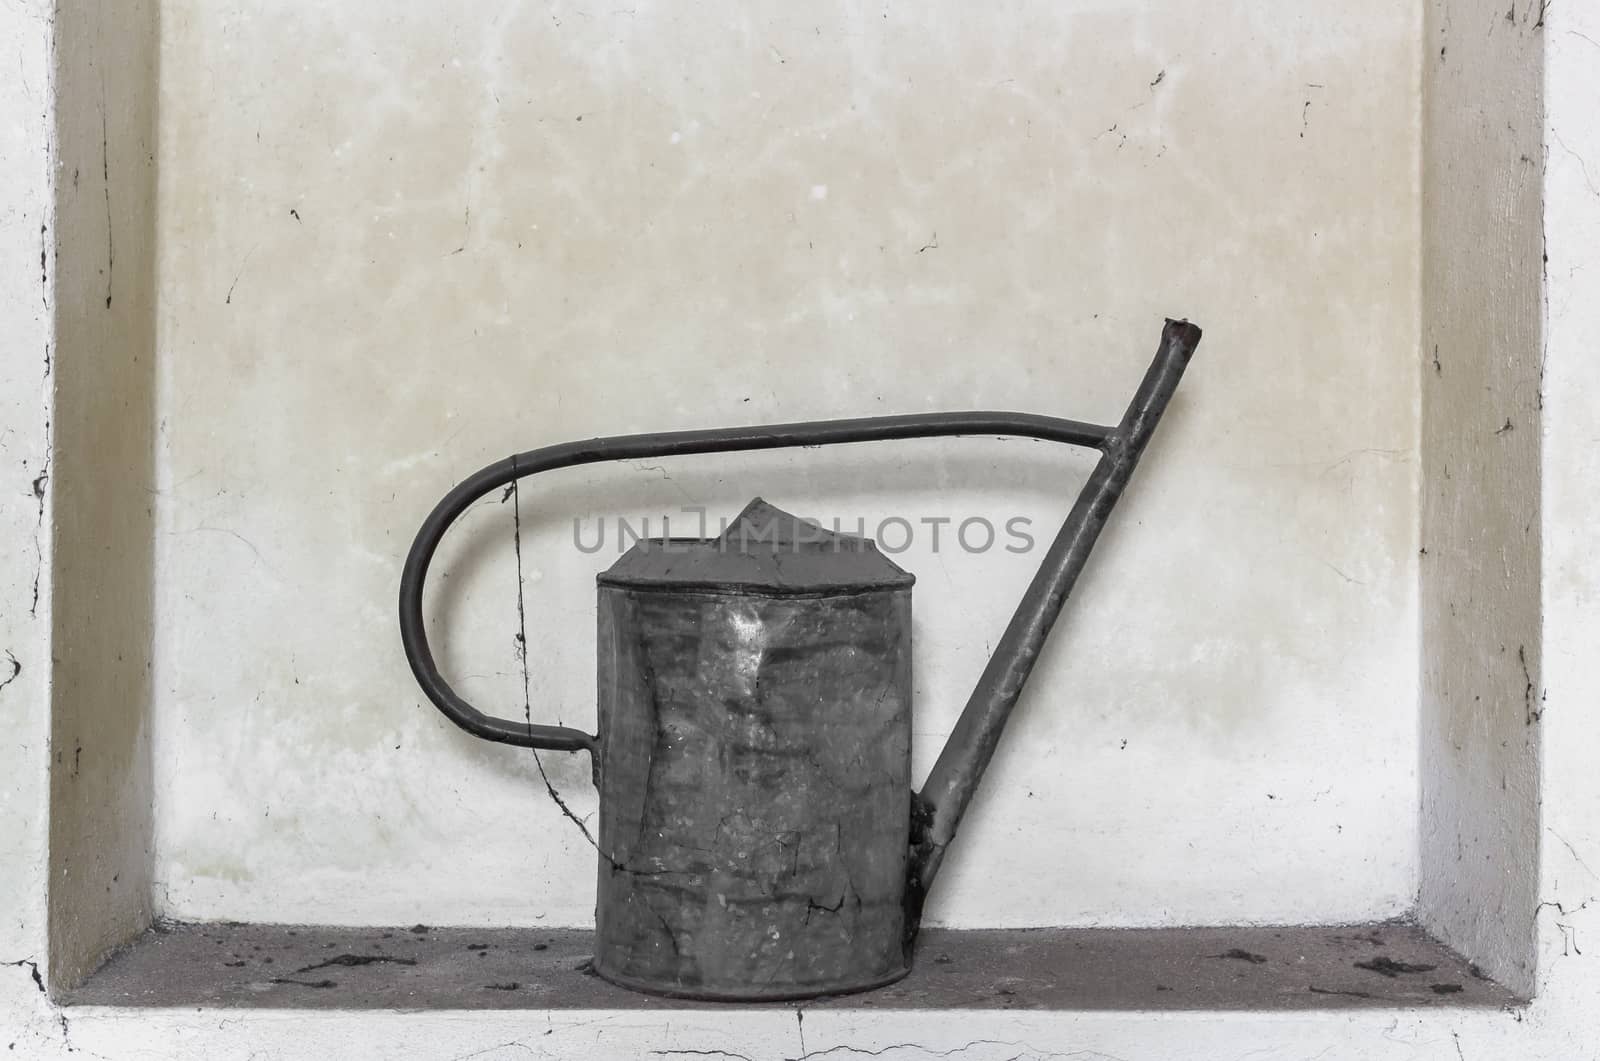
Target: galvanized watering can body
[
  {"x": 755, "y": 768},
  {"x": 759, "y": 837}
]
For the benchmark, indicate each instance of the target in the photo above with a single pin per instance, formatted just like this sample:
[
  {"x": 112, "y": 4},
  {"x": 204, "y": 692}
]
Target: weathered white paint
[
  {"x": 1569, "y": 822},
  {"x": 27, "y": 217},
  {"x": 780, "y": 1036},
  {"x": 1480, "y": 647},
  {"x": 401, "y": 240},
  {"x": 1560, "y": 1024}
]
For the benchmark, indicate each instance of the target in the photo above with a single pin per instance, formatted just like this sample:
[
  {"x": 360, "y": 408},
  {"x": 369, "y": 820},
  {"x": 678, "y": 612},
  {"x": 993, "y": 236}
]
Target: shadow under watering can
[{"x": 759, "y": 837}]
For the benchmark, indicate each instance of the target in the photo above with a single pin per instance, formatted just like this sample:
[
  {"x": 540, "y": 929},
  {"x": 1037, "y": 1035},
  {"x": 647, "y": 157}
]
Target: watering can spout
[{"x": 936, "y": 811}]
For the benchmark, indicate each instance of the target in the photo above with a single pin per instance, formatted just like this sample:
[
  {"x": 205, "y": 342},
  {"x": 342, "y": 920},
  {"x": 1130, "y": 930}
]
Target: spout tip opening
[{"x": 1182, "y": 331}]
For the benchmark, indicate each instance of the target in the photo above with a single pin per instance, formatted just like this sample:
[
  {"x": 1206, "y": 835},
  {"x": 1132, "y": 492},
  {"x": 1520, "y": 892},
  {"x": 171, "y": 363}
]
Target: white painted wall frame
[{"x": 120, "y": 674}]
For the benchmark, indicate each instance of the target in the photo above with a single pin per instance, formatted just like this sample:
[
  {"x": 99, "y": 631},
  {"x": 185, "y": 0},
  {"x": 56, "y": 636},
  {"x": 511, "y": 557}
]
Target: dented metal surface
[
  {"x": 753, "y": 781},
  {"x": 758, "y": 835}
]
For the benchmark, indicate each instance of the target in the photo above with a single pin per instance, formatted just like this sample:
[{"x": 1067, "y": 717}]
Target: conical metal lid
[{"x": 765, "y": 550}]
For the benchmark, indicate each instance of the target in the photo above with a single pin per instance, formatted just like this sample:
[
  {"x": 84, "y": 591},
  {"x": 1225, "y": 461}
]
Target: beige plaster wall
[
  {"x": 1482, "y": 396},
  {"x": 101, "y": 479},
  {"x": 400, "y": 240}
]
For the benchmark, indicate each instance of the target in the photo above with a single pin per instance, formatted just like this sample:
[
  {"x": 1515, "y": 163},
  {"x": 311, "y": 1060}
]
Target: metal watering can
[{"x": 759, "y": 836}]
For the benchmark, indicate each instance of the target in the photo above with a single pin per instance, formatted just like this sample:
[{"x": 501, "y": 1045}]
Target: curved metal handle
[
  {"x": 414, "y": 635},
  {"x": 663, "y": 444}
]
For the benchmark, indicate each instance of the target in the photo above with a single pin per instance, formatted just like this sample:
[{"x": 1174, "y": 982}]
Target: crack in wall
[
  {"x": 16, "y": 669},
  {"x": 883, "y": 1051},
  {"x": 509, "y": 1044},
  {"x": 1573, "y": 852},
  {"x": 1530, "y": 713},
  {"x": 38, "y": 982},
  {"x": 41, "y": 483},
  {"x": 105, "y": 173},
  {"x": 44, "y": 283},
  {"x": 33, "y": 970},
  {"x": 42, "y": 480},
  {"x": 522, "y": 654}
]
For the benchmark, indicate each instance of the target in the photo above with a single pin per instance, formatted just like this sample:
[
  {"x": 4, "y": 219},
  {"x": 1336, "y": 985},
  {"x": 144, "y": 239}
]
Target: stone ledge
[{"x": 245, "y": 966}]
